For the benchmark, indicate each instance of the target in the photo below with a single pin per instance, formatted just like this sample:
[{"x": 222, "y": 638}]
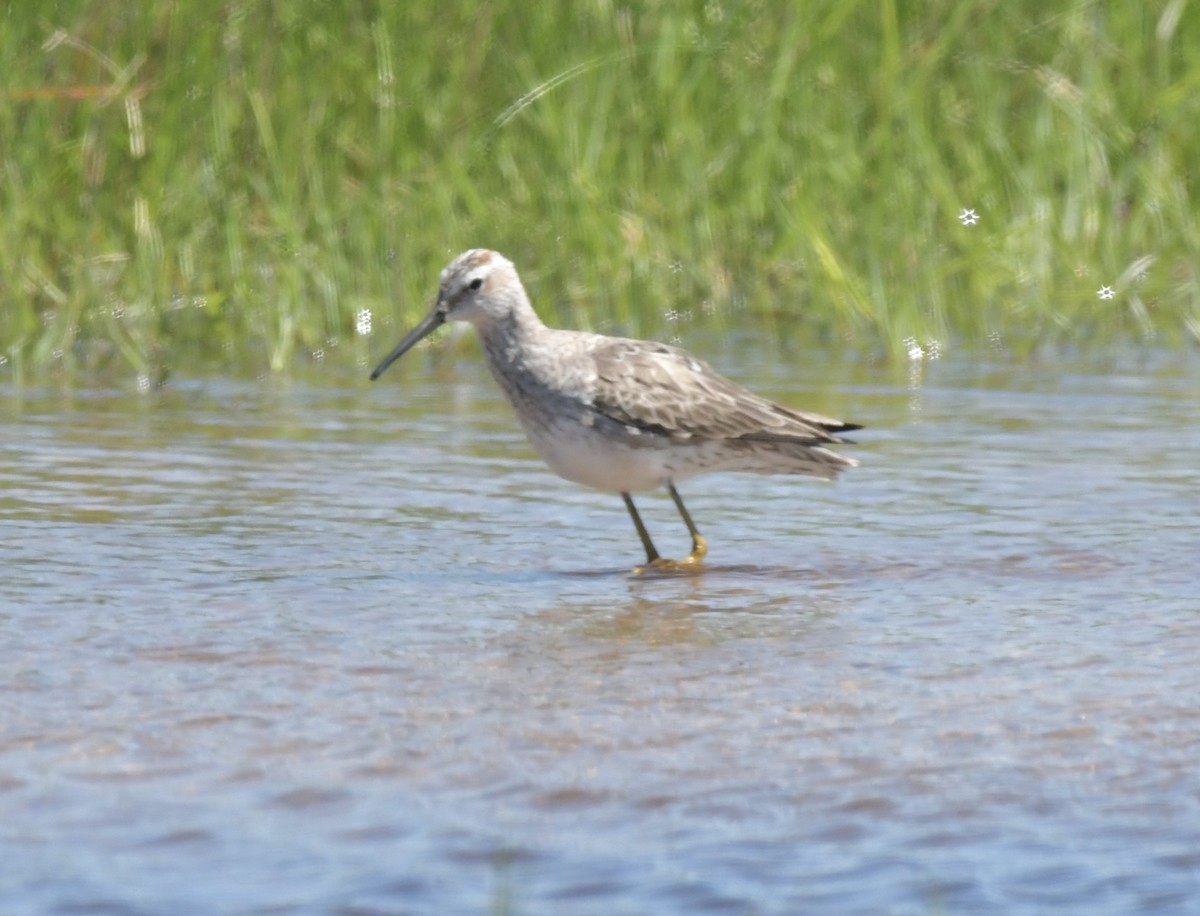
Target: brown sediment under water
[{"x": 320, "y": 646}]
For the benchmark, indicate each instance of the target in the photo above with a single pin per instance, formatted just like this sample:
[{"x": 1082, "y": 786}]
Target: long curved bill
[{"x": 430, "y": 323}]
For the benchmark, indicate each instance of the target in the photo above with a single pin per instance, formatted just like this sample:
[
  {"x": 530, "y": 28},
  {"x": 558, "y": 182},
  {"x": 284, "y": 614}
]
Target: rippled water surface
[{"x": 320, "y": 646}]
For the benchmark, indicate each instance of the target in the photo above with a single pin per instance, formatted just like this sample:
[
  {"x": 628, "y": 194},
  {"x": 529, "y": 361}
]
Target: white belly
[{"x": 580, "y": 453}]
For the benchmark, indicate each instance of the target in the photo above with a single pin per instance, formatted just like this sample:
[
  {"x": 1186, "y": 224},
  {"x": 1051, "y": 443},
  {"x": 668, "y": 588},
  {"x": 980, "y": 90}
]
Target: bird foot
[
  {"x": 691, "y": 563},
  {"x": 669, "y": 566}
]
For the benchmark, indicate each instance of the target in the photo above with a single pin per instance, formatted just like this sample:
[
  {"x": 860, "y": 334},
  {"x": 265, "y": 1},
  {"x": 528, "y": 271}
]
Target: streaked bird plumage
[{"x": 619, "y": 414}]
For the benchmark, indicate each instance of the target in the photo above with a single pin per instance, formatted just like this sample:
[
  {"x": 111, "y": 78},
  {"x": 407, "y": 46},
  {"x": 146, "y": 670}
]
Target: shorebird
[{"x": 618, "y": 414}]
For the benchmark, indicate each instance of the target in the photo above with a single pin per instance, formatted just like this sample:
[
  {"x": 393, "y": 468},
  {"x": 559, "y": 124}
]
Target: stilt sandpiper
[{"x": 618, "y": 414}]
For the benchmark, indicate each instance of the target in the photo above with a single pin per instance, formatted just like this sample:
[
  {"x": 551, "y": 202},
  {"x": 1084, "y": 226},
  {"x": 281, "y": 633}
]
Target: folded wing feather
[{"x": 664, "y": 389}]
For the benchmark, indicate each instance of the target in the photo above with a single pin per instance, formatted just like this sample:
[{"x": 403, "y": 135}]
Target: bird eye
[{"x": 476, "y": 283}]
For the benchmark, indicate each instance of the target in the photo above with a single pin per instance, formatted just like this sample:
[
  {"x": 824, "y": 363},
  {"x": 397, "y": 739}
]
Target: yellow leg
[
  {"x": 652, "y": 556},
  {"x": 653, "y": 560},
  {"x": 699, "y": 545}
]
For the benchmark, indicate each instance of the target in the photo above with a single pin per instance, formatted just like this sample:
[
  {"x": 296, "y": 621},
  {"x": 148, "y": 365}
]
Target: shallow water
[{"x": 322, "y": 646}]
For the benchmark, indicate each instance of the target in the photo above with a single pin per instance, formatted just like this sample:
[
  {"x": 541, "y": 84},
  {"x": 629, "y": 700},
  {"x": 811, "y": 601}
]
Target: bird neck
[
  {"x": 510, "y": 342},
  {"x": 513, "y": 326}
]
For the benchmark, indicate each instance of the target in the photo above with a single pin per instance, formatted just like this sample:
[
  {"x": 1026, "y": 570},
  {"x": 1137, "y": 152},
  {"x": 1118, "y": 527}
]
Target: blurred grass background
[{"x": 256, "y": 182}]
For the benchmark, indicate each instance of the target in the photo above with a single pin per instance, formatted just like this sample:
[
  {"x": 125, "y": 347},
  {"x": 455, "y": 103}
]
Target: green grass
[{"x": 186, "y": 182}]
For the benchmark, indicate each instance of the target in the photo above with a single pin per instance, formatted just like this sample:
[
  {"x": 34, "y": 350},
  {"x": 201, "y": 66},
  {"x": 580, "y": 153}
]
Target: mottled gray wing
[{"x": 666, "y": 390}]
